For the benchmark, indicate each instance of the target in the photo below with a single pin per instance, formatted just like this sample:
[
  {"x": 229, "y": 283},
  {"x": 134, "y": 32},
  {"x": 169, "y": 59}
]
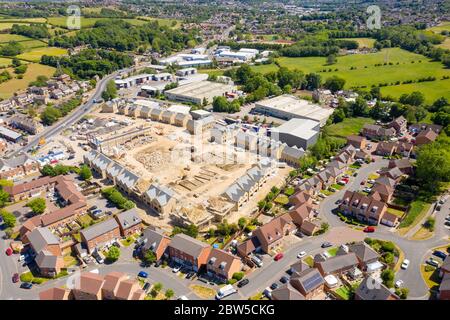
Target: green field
[
  {"x": 445, "y": 44},
  {"x": 8, "y": 88},
  {"x": 36, "y": 54},
  {"x": 5, "y": 37},
  {"x": 347, "y": 127},
  {"x": 31, "y": 44},
  {"x": 265, "y": 68},
  {"x": 215, "y": 72},
  {"x": 432, "y": 90},
  {"x": 363, "y": 42},
  {"x": 163, "y": 22},
  {"x": 4, "y": 62},
  {"x": 405, "y": 66},
  {"x": 445, "y": 26},
  {"x": 21, "y": 20},
  {"x": 88, "y": 22},
  {"x": 8, "y": 25}
]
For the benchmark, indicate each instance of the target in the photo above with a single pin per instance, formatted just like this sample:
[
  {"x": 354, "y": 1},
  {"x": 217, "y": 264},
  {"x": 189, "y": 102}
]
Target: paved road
[{"x": 71, "y": 118}]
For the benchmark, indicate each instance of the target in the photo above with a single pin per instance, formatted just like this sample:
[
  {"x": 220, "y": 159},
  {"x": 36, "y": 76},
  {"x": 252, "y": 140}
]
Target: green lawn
[
  {"x": 337, "y": 186},
  {"x": 309, "y": 261},
  {"x": 281, "y": 199},
  {"x": 445, "y": 26},
  {"x": 333, "y": 251},
  {"x": 347, "y": 127},
  {"x": 31, "y": 44},
  {"x": 265, "y": 68},
  {"x": 416, "y": 212},
  {"x": 164, "y": 21},
  {"x": 8, "y": 25},
  {"x": 405, "y": 66},
  {"x": 363, "y": 42},
  {"x": 343, "y": 292},
  {"x": 6, "y": 37},
  {"x": 432, "y": 90},
  {"x": 36, "y": 54},
  {"x": 396, "y": 212}
]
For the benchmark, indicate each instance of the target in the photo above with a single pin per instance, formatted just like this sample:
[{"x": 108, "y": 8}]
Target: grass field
[
  {"x": 163, "y": 22},
  {"x": 405, "y": 66},
  {"x": 215, "y": 72},
  {"x": 445, "y": 26},
  {"x": 8, "y": 25},
  {"x": 31, "y": 44},
  {"x": 363, "y": 42},
  {"x": 89, "y": 22},
  {"x": 21, "y": 20},
  {"x": 347, "y": 127},
  {"x": 4, "y": 62},
  {"x": 5, "y": 37},
  {"x": 36, "y": 54},
  {"x": 265, "y": 68},
  {"x": 8, "y": 88},
  {"x": 445, "y": 44},
  {"x": 432, "y": 90}
]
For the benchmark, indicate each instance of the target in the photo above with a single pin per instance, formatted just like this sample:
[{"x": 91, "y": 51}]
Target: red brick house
[
  {"x": 100, "y": 234},
  {"x": 222, "y": 265},
  {"x": 129, "y": 222},
  {"x": 189, "y": 252},
  {"x": 156, "y": 241}
]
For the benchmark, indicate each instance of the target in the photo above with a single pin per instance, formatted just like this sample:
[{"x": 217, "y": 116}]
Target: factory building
[
  {"x": 196, "y": 92},
  {"x": 301, "y": 133}
]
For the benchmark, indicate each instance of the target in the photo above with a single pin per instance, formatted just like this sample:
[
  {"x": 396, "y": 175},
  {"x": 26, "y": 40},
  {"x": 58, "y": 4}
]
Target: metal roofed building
[
  {"x": 297, "y": 132},
  {"x": 9, "y": 134},
  {"x": 289, "y": 107},
  {"x": 197, "y": 91}
]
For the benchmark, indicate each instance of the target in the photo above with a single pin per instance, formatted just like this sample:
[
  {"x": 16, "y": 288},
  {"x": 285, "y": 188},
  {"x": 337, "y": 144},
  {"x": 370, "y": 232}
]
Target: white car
[
  {"x": 405, "y": 264},
  {"x": 301, "y": 254},
  {"x": 399, "y": 283},
  {"x": 176, "y": 269}
]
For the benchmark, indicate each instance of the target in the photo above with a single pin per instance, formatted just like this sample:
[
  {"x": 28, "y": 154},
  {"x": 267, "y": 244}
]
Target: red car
[
  {"x": 15, "y": 278},
  {"x": 363, "y": 182},
  {"x": 9, "y": 251},
  {"x": 369, "y": 229},
  {"x": 279, "y": 256}
]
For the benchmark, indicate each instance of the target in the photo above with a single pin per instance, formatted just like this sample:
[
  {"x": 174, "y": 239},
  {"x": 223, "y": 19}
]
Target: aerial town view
[{"x": 225, "y": 150}]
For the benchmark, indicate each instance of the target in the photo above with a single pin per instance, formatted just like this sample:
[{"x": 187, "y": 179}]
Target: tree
[
  {"x": 430, "y": 223},
  {"x": 334, "y": 83},
  {"x": 313, "y": 81},
  {"x": 4, "y": 197},
  {"x": 388, "y": 276},
  {"x": 8, "y": 218},
  {"x": 13, "y": 48},
  {"x": 113, "y": 254},
  {"x": 169, "y": 293},
  {"x": 192, "y": 231},
  {"x": 37, "y": 205},
  {"x": 402, "y": 293},
  {"x": 242, "y": 222},
  {"x": 238, "y": 276},
  {"x": 85, "y": 172},
  {"x": 149, "y": 257},
  {"x": 110, "y": 91},
  {"x": 415, "y": 98},
  {"x": 331, "y": 59},
  {"x": 50, "y": 115}
]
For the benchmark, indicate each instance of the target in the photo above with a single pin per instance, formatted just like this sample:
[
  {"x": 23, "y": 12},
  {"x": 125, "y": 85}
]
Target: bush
[
  {"x": 238, "y": 276},
  {"x": 26, "y": 277},
  {"x": 429, "y": 268},
  {"x": 388, "y": 246},
  {"x": 113, "y": 254},
  {"x": 232, "y": 281}
]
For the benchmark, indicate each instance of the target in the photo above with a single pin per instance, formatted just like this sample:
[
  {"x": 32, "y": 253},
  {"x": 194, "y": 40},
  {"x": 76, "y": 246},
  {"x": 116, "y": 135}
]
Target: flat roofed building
[
  {"x": 9, "y": 135},
  {"x": 196, "y": 92},
  {"x": 297, "y": 132},
  {"x": 289, "y": 107}
]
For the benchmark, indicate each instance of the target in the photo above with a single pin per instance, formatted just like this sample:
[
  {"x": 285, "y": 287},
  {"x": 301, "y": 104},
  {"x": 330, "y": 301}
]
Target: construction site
[{"x": 198, "y": 171}]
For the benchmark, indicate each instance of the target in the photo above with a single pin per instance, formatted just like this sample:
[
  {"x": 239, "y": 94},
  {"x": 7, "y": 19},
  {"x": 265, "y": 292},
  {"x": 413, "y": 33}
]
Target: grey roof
[
  {"x": 40, "y": 238},
  {"x": 309, "y": 279},
  {"x": 302, "y": 128},
  {"x": 9, "y": 133},
  {"x": 188, "y": 245},
  {"x": 153, "y": 238},
  {"x": 364, "y": 252},
  {"x": 255, "y": 173},
  {"x": 373, "y": 289},
  {"x": 128, "y": 178},
  {"x": 293, "y": 152},
  {"x": 181, "y": 116},
  {"x": 246, "y": 182},
  {"x": 340, "y": 262},
  {"x": 91, "y": 155},
  {"x": 299, "y": 267},
  {"x": 114, "y": 170},
  {"x": 160, "y": 193},
  {"x": 15, "y": 161},
  {"x": 287, "y": 292},
  {"x": 129, "y": 218},
  {"x": 46, "y": 259},
  {"x": 156, "y": 112},
  {"x": 234, "y": 192},
  {"x": 101, "y": 162},
  {"x": 99, "y": 229}
]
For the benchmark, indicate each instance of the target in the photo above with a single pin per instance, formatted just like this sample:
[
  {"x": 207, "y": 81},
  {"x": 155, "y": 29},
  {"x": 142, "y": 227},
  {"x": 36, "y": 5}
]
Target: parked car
[
  {"x": 447, "y": 223},
  {"x": 399, "y": 283},
  {"x": 257, "y": 261},
  {"x": 243, "y": 283},
  {"x": 26, "y": 285},
  {"x": 326, "y": 245},
  {"x": 146, "y": 286},
  {"x": 338, "y": 201},
  {"x": 176, "y": 269},
  {"x": 182, "y": 298},
  {"x": 368, "y": 190},
  {"x": 363, "y": 182},
  {"x": 9, "y": 251},
  {"x": 274, "y": 286},
  {"x": 279, "y": 256},
  {"x": 190, "y": 275},
  {"x": 284, "y": 279},
  {"x": 432, "y": 262},
  {"x": 15, "y": 278},
  {"x": 142, "y": 274},
  {"x": 405, "y": 264},
  {"x": 158, "y": 263},
  {"x": 369, "y": 229},
  {"x": 93, "y": 208},
  {"x": 440, "y": 254},
  {"x": 225, "y": 291},
  {"x": 301, "y": 254},
  {"x": 447, "y": 218}
]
